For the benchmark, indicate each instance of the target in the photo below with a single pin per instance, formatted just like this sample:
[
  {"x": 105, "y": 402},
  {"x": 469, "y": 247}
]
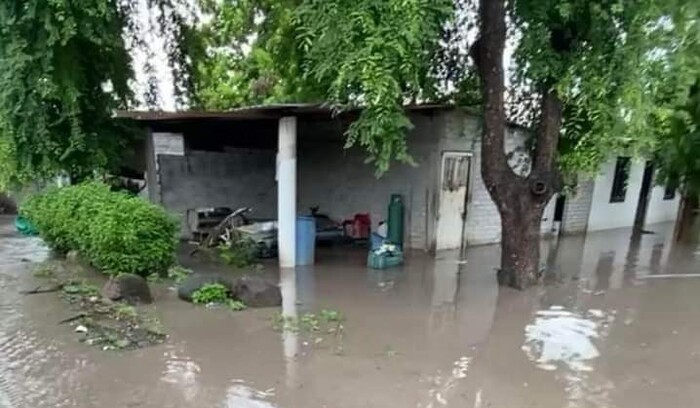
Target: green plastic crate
[{"x": 385, "y": 260}]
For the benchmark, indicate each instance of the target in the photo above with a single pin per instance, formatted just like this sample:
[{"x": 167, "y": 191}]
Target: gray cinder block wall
[
  {"x": 340, "y": 182},
  {"x": 240, "y": 178}
]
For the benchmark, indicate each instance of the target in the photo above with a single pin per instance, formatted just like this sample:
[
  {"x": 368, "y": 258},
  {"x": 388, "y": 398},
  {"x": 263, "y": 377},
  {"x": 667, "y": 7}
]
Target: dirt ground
[{"x": 608, "y": 329}]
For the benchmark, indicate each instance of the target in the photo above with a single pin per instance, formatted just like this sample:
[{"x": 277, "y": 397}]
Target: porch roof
[{"x": 255, "y": 112}]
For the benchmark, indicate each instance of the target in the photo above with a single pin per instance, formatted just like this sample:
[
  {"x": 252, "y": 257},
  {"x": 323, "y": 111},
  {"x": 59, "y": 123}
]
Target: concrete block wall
[
  {"x": 232, "y": 179},
  {"x": 340, "y": 182},
  {"x": 483, "y": 223},
  {"x": 577, "y": 208}
]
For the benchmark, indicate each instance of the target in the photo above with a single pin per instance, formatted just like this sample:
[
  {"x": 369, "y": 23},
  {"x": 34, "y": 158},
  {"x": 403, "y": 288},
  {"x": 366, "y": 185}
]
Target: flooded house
[{"x": 282, "y": 160}]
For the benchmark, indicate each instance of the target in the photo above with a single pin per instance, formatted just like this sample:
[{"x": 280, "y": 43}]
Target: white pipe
[{"x": 287, "y": 191}]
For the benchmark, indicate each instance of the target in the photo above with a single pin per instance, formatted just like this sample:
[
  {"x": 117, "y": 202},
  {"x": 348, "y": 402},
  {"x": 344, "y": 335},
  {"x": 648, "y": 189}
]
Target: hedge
[{"x": 115, "y": 232}]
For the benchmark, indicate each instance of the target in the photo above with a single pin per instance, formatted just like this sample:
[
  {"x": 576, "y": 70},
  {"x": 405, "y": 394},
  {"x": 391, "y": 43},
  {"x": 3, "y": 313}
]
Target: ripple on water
[{"x": 33, "y": 373}]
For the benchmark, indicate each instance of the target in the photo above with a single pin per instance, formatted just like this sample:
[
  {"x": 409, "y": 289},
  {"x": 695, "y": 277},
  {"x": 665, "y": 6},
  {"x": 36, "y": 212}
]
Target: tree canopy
[
  {"x": 65, "y": 67},
  {"x": 605, "y": 59}
]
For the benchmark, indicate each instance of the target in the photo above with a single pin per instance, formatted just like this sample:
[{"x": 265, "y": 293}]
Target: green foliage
[
  {"x": 679, "y": 147},
  {"x": 115, "y": 232},
  {"x": 615, "y": 64},
  {"x": 65, "y": 67},
  {"x": 55, "y": 60},
  {"x": 377, "y": 55},
  {"x": 325, "y": 321},
  {"x": 175, "y": 273},
  {"x": 372, "y": 54},
  {"x": 211, "y": 293},
  {"x": 125, "y": 312},
  {"x": 236, "y": 305},
  {"x": 240, "y": 254},
  {"x": 178, "y": 273},
  {"x": 246, "y": 54},
  {"x": 78, "y": 291},
  {"x": 216, "y": 293}
]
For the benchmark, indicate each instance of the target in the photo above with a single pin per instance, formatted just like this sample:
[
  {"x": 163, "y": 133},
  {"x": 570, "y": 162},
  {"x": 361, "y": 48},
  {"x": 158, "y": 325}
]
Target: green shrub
[
  {"x": 115, "y": 232},
  {"x": 218, "y": 294},
  {"x": 211, "y": 293}
]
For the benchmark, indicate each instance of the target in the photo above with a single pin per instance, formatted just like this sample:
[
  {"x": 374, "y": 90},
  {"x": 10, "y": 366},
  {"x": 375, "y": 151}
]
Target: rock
[
  {"x": 255, "y": 291},
  {"x": 193, "y": 282},
  {"x": 128, "y": 287}
]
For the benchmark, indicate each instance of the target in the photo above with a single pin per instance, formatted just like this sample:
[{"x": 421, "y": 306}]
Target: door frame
[{"x": 444, "y": 154}]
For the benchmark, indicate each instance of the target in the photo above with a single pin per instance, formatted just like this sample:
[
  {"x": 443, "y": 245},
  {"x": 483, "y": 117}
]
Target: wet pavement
[{"x": 436, "y": 333}]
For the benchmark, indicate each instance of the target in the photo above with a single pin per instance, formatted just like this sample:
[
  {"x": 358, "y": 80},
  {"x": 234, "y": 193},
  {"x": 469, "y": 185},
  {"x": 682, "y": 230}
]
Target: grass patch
[{"x": 316, "y": 328}]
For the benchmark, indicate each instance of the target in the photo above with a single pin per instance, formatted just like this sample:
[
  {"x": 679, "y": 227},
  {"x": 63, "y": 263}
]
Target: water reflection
[
  {"x": 290, "y": 338},
  {"x": 240, "y": 395},
  {"x": 182, "y": 372},
  {"x": 558, "y": 337}
]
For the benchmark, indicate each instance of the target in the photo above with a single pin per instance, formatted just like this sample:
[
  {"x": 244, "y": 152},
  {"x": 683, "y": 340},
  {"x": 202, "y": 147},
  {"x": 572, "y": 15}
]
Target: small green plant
[
  {"x": 331, "y": 316},
  {"x": 80, "y": 288},
  {"x": 45, "y": 270},
  {"x": 154, "y": 278},
  {"x": 78, "y": 291},
  {"x": 125, "y": 312},
  {"x": 211, "y": 293},
  {"x": 178, "y": 273},
  {"x": 326, "y": 321},
  {"x": 236, "y": 305},
  {"x": 240, "y": 254}
]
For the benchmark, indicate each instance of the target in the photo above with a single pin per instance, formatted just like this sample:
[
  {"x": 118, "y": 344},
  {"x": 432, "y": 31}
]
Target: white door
[{"x": 454, "y": 183}]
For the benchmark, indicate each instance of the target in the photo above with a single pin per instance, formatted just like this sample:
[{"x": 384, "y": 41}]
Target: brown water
[{"x": 436, "y": 333}]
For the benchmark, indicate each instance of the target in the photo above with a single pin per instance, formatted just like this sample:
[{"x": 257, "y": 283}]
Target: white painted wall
[
  {"x": 607, "y": 215},
  {"x": 660, "y": 210}
]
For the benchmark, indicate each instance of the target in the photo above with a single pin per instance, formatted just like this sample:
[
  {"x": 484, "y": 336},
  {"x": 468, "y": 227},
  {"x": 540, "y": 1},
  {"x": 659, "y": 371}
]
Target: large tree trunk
[
  {"x": 686, "y": 217},
  {"x": 520, "y": 246},
  {"x": 520, "y": 198}
]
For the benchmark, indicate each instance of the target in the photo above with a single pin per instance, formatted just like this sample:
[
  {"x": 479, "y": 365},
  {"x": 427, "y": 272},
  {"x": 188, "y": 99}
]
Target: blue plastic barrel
[{"x": 306, "y": 240}]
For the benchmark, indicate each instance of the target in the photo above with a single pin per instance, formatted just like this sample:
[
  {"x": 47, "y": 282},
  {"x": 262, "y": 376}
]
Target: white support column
[{"x": 287, "y": 191}]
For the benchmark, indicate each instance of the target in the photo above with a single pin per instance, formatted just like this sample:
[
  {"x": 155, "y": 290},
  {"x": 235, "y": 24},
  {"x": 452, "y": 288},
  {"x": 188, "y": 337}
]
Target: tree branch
[{"x": 547, "y": 134}]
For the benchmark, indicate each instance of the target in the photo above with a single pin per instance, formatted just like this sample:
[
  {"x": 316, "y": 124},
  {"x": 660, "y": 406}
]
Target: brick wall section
[
  {"x": 483, "y": 224},
  {"x": 577, "y": 208}
]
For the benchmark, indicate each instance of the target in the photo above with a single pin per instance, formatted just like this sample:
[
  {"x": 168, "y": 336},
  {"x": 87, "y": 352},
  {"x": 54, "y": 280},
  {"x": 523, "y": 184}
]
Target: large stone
[
  {"x": 195, "y": 281},
  {"x": 255, "y": 291},
  {"x": 128, "y": 287}
]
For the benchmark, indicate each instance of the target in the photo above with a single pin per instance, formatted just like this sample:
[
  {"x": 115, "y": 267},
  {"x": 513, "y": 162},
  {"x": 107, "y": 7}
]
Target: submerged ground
[{"x": 604, "y": 331}]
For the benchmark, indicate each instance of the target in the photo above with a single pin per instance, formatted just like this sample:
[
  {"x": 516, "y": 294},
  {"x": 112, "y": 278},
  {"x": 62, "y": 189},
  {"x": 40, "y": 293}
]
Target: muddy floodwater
[{"x": 604, "y": 331}]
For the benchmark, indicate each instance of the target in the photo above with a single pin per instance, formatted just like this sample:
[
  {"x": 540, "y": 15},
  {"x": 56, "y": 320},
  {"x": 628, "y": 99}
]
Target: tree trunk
[
  {"x": 686, "y": 216},
  {"x": 520, "y": 198},
  {"x": 520, "y": 243}
]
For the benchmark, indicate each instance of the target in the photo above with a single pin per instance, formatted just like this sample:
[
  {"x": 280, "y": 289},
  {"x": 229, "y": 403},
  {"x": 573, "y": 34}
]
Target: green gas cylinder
[{"x": 395, "y": 220}]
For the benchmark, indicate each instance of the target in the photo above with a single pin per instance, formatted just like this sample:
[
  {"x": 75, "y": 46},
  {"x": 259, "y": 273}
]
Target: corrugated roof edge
[
  {"x": 276, "y": 111},
  {"x": 254, "y": 112}
]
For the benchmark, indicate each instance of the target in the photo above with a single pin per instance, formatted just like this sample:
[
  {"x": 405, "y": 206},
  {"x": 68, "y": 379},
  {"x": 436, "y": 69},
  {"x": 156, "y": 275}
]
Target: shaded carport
[{"x": 260, "y": 127}]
